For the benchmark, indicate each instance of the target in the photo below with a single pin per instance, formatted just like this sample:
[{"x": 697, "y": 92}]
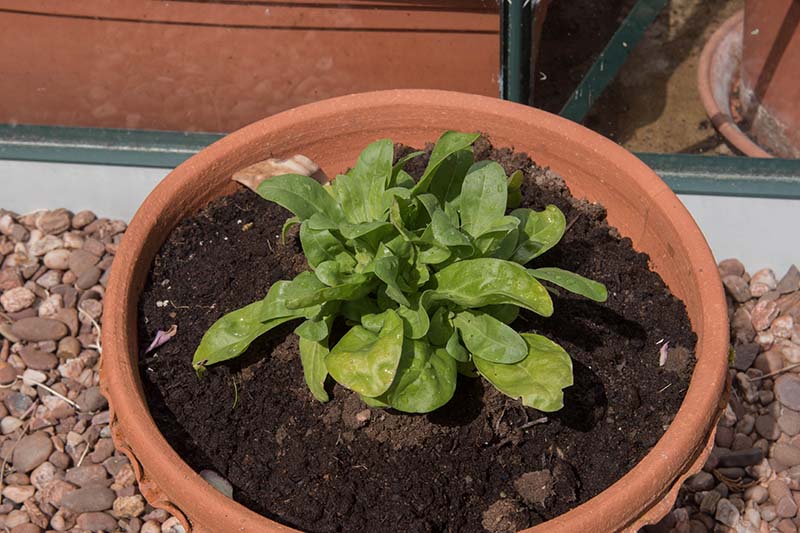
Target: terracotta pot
[
  {"x": 716, "y": 74},
  {"x": 758, "y": 51},
  {"x": 199, "y": 65},
  {"x": 332, "y": 133},
  {"x": 769, "y": 88}
]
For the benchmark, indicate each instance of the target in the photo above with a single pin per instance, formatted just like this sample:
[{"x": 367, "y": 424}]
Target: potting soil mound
[{"x": 482, "y": 462}]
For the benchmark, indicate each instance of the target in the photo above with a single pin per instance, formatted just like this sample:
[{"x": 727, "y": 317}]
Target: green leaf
[
  {"x": 291, "y": 221},
  {"x": 540, "y": 231},
  {"x": 514, "y": 193},
  {"x": 301, "y": 195},
  {"x": 449, "y": 143},
  {"x": 338, "y": 272},
  {"x": 314, "y": 329},
  {"x": 360, "y": 286},
  {"x": 415, "y": 318},
  {"x": 505, "y": 313},
  {"x": 440, "y": 329},
  {"x": 449, "y": 177},
  {"x": 445, "y": 233},
  {"x": 374, "y": 169},
  {"x": 434, "y": 255},
  {"x": 572, "y": 282},
  {"x": 486, "y": 281},
  {"x": 455, "y": 349},
  {"x": 356, "y": 231},
  {"x": 231, "y": 334},
  {"x": 496, "y": 236},
  {"x": 312, "y": 357},
  {"x": 274, "y": 305},
  {"x": 404, "y": 180},
  {"x": 319, "y": 221},
  {"x": 366, "y": 362},
  {"x": 483, "y": 197},
  {"x": 488, "y": 338},
  {"x": 353, "y": 310},
  {"x": 538, "y": 380},
  {"x": 373, "y": 321},
  {"x": 373, "y": 402},
  {"x": 353, "y": 195},
  {"x": 425, "y": 379},
  {"x": 396, "y": 212},
  {"x": 400, "y": 165},
  {"x": 320, "y": 245},
  {"x": 387, "y": 269}
]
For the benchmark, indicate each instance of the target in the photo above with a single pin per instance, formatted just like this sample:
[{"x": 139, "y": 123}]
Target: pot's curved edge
[
  {"x": 720, "y": 115},
  {"x": 661, "y": 508},
  {"x": 116, "y": 335}
]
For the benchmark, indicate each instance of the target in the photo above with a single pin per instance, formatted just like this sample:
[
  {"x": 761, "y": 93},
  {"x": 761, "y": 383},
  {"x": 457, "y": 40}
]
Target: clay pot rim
[
  {"x": 652, "y": 482},
  {"x": 719, "y": 114}
]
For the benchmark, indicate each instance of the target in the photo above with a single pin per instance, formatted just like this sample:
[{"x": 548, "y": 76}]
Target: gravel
[
  {"x": 62, "y": 473},
  {"x": 60, "y": 469},
  {"x": 751, "y": 480}
]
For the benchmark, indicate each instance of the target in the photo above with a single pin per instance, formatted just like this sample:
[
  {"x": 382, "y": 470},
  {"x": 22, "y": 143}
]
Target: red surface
[{"x": 219, "y": 65}]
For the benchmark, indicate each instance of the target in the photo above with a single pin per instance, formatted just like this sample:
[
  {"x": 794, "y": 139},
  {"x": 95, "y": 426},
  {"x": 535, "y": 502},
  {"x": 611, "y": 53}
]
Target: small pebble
[
  {"x": 38, "y": 329},
  {"x": 787, "y": 454},
  {"x": 787, "y": 390},
  {"x": 17, "y": 299},
  {"x": 763, "y": 314},
  {"x": 97, "y": 521},
  {"x": 89, "y": 499},
  {"x": 767, "y": 427},
  {"x": 173, "y": 525},
  {"x": 726, "y": 513},
  {"x": 128, "y": 506},
  {"x": 31, "y": 451}
]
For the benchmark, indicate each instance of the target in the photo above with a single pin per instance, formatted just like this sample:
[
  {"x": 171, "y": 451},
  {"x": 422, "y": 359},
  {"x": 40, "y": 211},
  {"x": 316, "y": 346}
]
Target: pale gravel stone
[
  {"x": 763, "y": 314},
  {"x": 726, "y": 513},
  {"x": 17, "y": 299},
  {"x": 172, "y": 525},
  {"x": 57, "y": 259}
]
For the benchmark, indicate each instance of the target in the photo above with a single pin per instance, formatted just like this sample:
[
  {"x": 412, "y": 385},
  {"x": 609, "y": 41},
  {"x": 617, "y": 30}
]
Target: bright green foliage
[{"x": 427, "y": 275}]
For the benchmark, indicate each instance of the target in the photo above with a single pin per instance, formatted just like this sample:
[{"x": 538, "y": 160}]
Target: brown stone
[
  {"x": 763, "y": 314},
  {"x": 9, "y": 279},
  {"x": 38, "y": 329},
  {"x": 82, "y": 219},
  {"x": 81, "y": 260},
  {"x": 37, "y": 359},
  {"x": 88, "y": 278},
  {"x": 54, "y": 222}
]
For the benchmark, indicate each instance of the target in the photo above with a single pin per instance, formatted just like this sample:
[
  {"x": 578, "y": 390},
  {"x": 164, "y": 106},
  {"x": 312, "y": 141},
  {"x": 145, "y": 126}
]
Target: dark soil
[
  {"x": 315, "y": 467},
  {"x": 573, "y": 36}
]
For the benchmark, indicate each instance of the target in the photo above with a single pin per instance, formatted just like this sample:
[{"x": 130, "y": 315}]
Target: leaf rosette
[{"x": 425, "y": 275}]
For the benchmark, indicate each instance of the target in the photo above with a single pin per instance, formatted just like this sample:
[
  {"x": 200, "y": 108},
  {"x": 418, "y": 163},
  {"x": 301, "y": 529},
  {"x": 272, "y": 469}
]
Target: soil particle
[
  {"x": 535, "y": 487},
  {"x": 504, "y": 516},
  {"x": 316, "y": 467}
]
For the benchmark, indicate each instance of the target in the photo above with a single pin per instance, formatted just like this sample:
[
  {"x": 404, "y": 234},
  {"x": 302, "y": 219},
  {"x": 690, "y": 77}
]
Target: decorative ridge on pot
[{"x": 331, "y": 133}]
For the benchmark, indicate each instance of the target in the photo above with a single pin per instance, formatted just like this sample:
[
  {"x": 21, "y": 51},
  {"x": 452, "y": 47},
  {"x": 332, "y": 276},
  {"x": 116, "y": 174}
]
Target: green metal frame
[
  {"x": 611, "y": 59},
  {"x": 516, "y": 21},
  {"x": 689, "y": 174}
]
